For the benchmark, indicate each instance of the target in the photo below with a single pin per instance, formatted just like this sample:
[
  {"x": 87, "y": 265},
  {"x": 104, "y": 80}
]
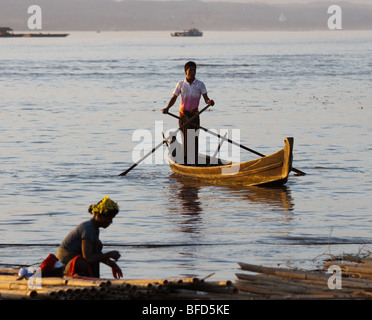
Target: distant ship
[
  {"x": 193, "y": 32},
  {"x": 6, "y": 32}
]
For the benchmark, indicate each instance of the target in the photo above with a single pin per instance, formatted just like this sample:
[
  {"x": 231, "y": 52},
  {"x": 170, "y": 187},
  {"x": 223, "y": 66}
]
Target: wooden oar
[
  {"x": 219, "y": 146},
  {"x": 164, "y": 141},
  {"x": 299, "y": 172}
]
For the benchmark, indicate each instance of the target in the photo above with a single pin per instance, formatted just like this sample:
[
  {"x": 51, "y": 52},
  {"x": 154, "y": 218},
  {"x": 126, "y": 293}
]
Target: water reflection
[
  {"x": 189, "y": 198},
  {"x": 276, "y": 199},
  {"x": 187, "y": 202}
]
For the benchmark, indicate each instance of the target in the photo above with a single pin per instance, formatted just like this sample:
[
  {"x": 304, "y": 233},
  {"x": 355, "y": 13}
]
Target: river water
[{"x": 74, "y": 110}]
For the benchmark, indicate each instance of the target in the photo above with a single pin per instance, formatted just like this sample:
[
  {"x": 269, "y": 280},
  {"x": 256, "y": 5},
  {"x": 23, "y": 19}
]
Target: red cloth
[
  {"x": 71, "y": 269},
  {"x": 48, "y": 263}
]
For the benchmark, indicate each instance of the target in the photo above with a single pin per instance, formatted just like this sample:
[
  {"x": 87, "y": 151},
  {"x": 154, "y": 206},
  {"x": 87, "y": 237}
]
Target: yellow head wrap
[{"x": 105, "y": 206}]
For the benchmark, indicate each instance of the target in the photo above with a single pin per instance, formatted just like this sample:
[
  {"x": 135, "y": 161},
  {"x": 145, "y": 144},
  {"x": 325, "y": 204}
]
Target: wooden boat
[
  {"x": 6, "y": 32},
  {"x": 193, "y": 32},
  {"x": 271, "y": 170}
]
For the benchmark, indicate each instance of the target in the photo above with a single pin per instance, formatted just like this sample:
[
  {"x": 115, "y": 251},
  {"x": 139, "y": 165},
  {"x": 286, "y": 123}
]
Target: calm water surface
[{"x": 70, "y": 107}]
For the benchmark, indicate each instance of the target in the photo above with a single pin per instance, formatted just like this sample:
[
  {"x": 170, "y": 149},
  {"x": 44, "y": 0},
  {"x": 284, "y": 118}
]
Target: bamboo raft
[
  {"x": 70, "y": 288},
  {"x": 258, "y": 283},
  {"x": 284, "y": 283}
]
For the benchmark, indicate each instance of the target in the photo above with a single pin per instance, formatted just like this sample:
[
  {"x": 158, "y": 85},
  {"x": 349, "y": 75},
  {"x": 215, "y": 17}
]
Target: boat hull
[
  {"x": 35, "y": 35},
  {"x": 189, "y": 33},
  {"x": 270, "y": 170},
  {"x": 6, "y": 32}
]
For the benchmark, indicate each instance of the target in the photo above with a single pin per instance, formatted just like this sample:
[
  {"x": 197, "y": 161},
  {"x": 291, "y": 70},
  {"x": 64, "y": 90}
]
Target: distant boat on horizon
[
  {"x": 193, "y": 32},
  {"x": 6, "y": 32}
]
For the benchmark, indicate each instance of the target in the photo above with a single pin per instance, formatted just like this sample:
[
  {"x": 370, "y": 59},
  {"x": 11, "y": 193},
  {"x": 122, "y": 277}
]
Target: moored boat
[
  {"x": 193, "y": 32},
  {"x": 271, "y": 170},
  {"x": 6, "y": 32}
]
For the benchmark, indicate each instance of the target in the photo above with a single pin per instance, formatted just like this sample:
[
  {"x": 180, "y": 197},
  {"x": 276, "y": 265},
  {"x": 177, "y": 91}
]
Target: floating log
[
  {"x": 88, "y": 282},
  {"x": 9, "y": 277},
  {"x": 246, "y": 286},
  {"x": 352, "y": 258},
  {"x": 283, "y": 272},
  {"x": 18, "y": 294},
  {"x": 281, "y": 281},
  {"x": 13, "y": 285},
  {"x": 53, "y": 281},
  {"x": 360, "y": 270},
  {"x": 213, "y": 287},
  {"x": 139, "y": 282}
]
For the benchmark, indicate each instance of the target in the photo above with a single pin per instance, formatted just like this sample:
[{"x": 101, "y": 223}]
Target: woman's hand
[
  {"x": 113, "y": 255},
  {"x": 116, "y": 271}
]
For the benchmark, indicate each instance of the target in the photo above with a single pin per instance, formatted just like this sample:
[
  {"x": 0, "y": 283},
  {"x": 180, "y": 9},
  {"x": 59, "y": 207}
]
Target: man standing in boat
[{"x": 191, "y": 90}]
